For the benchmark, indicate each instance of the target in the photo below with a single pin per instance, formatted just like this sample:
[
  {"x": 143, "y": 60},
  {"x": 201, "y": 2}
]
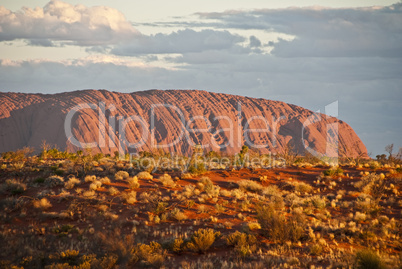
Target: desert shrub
[
  {"x": 317, "y": 201},
  {"x": 121, "y": 175},
  {"x": 202, "y": 240},
  {"x": 133, "y": 182},
  {"x": 167, "y": 181},
  {"x": 207, "y": 183},
  {"x": 160, "y": 207},
  {"x": 372, "y": 184},
  {"x": 333, "y": 171},
  {"x": 89, "y": 194},
  {"x": 251, "y": 186},
  {"x": 302, "y": 187},
  {"x": 178, "y": 245},
  {"x": 42, "y": 204},
  {"x": 130, "y": 197},
  {"x": 367, "y": 259},
  {"x": 197, "y": 168},
  {"x": 189, "y": 191},
  {"x": 71, "y": 183},
  {"x": 70, "y": 256},
  {"x": 277, "y": 227},
  {"x": 244, "y": 244},
  {"x": 95, "y": 185},
  {"x": 13, "y": 187},
  {"x": 144, "y": 175},
  {"x": 271, "y": 190},
  {"x": 316, "y": 249},
  {"x": 90, "y": 178},
  {"x": 54, "y": 181},
  {"x": 105, "y": 180},
  {"x": 178, "y": 215},
  {"x": 186, "y": 176},
  {"x": 149, "y": 255}
]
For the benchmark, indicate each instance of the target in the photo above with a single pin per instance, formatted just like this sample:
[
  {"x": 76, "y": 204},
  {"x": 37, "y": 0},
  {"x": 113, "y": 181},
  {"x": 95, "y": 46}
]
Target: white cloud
[{"x": 60, "y": 21}]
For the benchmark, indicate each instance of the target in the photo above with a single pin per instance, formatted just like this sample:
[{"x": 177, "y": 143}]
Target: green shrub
[
  {"x": 197, "y": 168},
  {"x": 202, "y": 240},
  {"x": 334, "y": 171},
  {"x": 367, "y": 259}
]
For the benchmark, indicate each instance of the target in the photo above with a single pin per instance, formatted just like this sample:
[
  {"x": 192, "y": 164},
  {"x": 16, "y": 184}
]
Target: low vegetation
[{"x": 65, "y": 210}]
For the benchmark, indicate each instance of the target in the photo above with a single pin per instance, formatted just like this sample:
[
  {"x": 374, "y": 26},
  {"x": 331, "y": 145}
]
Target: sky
[{"x": 308, "y": 53}]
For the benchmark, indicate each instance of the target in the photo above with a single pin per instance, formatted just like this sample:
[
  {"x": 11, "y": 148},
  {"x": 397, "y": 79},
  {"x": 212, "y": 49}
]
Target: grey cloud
[
  {"x": 254, "y": 42},
  {"x": 324, "y": 32},
  {"x": 183, "y": 41},
  {"x": 60, "y": 21}
]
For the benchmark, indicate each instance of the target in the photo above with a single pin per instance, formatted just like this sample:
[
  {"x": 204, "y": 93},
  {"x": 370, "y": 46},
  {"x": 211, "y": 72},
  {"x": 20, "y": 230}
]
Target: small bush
[
  {"x": 113, "y": 191},
  {"x": 367, "y": 259},
  {"x": 202, "y": 240},
  {"x": 244, "y": 244},
  {"x": 95, "y": 185},
  {"x": 71, "y": 183},
  {"x": 178, "y": 245},
  {"x": 130, "y": 197},
  {"x": 121, "y": 175},
  {"x": 150, "y": 255},
  {"x": 197, "y": 169},
  {"x": 54, "y": 181},
  {"x": 334, "y": 171},
  {"x": 303, "y": 187},
  {"x": 42, "y": 204},
  {"x": 251, "y": 186},
  {"x": 90, "y": 178},
  {"x": 276, "y": 227},
  {"x": 133, "y": 182},
  {"x": 13, "y": 186},
  {"x": 178, "y": 215},
  {"x": 167, "y": 181},
  {"x": 105, "y": 180},
  {"x": 144, "y": 175}
]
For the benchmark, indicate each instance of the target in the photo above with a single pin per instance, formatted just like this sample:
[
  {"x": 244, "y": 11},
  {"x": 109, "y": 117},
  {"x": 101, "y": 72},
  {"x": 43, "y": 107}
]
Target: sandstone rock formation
[{"x": 171, "y": 120}]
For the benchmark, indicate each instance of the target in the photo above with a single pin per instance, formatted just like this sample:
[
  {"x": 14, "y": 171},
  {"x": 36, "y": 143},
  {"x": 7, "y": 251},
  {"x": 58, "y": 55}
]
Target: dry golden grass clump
[
  {"x": 73, "y": 181},
  {"x": 121, "y": 175},
  {"x": 95, "y": 185},
  {"x": 133, "y": 182},
  {"x": 90, "y": 178},
  {"x": 42, "y": 204},
  {"x": 144, "y": 175},
  {"x": 130, "y": 197},
  {"x": 54, "y": 181},
  {"x": 167, "y": 181}
]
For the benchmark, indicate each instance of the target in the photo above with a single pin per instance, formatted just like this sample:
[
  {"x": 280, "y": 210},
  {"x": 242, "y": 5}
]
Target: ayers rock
[{"x": 173, "y": 120}]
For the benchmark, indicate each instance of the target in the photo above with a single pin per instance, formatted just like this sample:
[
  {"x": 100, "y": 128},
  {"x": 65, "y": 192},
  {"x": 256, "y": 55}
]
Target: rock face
[{"x": 171, "y": 120}]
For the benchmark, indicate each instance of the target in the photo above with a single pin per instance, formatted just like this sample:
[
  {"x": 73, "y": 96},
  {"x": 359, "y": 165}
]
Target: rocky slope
[{"x": 172, "y": 120}]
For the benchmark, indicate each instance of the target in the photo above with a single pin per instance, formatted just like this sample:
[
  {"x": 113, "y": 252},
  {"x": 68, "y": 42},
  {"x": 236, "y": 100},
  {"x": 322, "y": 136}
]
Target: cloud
[
  {"x": 60, "y": 21},
  {"x": 182, "y": 41},
  {"x": 324, "y": 32}
]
